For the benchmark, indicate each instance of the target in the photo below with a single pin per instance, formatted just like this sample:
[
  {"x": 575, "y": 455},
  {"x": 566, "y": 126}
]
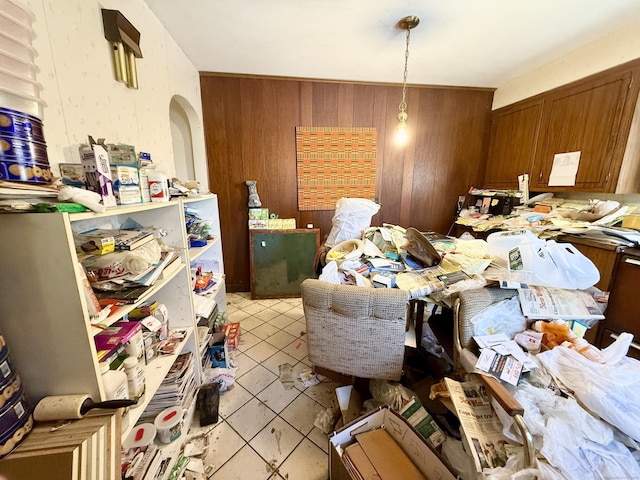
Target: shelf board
[
  {"x": 206, "y": 196},
  {"x": 121, "y": 210},
  {"x": 124, "y": 310},
  {"x": 195, "y": 252},
  {"x": 154, "y": 374}
]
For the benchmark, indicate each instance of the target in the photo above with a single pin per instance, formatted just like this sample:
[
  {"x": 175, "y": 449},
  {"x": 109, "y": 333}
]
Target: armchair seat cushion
[{"x": 355, "y": 330}]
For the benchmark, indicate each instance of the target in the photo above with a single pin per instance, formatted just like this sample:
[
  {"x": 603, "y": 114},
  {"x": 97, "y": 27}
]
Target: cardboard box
[
  {"x": 126, "y": 184},
  {"x": 258, "y": 214},
  {"x": 232, "y": 333},
  {"x": 97, "y": 173},
  {"x": 428, "y": 462},
  {"x": 258, "y": 224}
]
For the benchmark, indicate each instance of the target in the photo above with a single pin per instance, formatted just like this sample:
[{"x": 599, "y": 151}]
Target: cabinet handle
[
  {"x": 633, "y": 344},
  {"x": 632, "y": 261},
  {"x": 540, "y": 176}
]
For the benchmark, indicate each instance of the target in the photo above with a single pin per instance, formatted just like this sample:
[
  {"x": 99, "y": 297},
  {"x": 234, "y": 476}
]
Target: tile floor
[{"x": 266, "y": 431}]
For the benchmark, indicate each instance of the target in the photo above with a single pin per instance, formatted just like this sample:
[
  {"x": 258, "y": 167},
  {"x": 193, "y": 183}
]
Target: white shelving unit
[
  {"x": 43, "y": 312},
  {"x": 210, "y": 254}
]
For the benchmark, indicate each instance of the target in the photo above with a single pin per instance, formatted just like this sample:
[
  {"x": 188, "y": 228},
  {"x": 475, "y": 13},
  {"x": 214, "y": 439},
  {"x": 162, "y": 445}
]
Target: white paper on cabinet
[{"x": 564, "y": 169}]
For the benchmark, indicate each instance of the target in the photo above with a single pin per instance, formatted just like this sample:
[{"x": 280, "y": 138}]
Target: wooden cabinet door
[
  {"x": 514, "y": 133},
  {"x": 585, "y": 118}
]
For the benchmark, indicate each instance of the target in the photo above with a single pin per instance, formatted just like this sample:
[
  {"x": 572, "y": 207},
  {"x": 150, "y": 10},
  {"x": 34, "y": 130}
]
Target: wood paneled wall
[{"x": 250, "y": 122}]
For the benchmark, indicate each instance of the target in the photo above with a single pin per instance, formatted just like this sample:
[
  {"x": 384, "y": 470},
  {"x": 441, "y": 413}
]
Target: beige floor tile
[
  {"x": 282, "y": 307},
  {"x": 296, "y": 313},
  {"x": 276, "y": 397},
  {"x": 323, "y": 393},
  {"x": 261, "y": 351},
  {"x": 281, "y": 321},
  {"x": 301, "y": 413},
  {"x": 307, "y": 462},
  {"x": 276, "y": 441},
  {"x": 249, "y": 324},
  {"x": 245, "y": 465},
  {"x": 254, "y": 308},
  {"x": 297, "y": 328},
  {"x": 297, "y": 301},
  {"x": 232, "y": 399},
  {"x": 320, "y": 438},
  {"x": 243, "y": 362},
  {"x": 267, "y": 314},
  {"x": 273, "y": 363},
  {"x": 224, "y": 443},
  {"x": 251, "y": 418},
  {"x": 238, "y": 316},
  {"x": 297, "y": 349},
  {"x": 264, "y": 331},
  {"x": 247, "y": 340},
  {"x": 280, "y": 339},
  {"x": 256, "y": 379}
]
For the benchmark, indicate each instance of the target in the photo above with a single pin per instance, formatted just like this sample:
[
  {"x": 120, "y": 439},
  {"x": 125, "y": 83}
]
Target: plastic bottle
[
  {"x": 114, "y": 382},
  {"x": 144, "y": 185},
  {"x": 587, "y": 350},
  {"x": 555, "y": 332},
  {"x": 135, "y": 378},
  {"x": 158, "y": 186}
]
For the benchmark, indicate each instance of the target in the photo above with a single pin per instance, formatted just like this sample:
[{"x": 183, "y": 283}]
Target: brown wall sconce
[{"x": 125, "y": 42}]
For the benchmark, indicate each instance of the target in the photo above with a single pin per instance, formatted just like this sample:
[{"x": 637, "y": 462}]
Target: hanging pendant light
[{"x": 407, "y": 23}]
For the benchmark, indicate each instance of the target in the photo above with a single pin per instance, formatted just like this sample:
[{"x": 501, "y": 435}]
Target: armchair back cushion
[{"x": 355, "y": 330}]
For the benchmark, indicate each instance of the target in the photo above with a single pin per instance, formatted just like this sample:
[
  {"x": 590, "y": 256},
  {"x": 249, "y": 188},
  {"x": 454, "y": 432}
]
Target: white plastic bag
[
  {"x": 501, "y": 317},
  {"x": 610, "y": 390},
  {"x": 351, "y": 217},
  {"x": 552, "y": 264}
]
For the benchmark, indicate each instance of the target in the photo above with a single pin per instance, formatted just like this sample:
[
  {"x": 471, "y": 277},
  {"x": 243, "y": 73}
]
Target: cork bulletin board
[{"x": 334, "y": 162}]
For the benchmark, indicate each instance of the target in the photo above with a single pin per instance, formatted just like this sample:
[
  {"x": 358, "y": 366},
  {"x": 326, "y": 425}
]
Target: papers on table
[{"x": 503, "y": 358}]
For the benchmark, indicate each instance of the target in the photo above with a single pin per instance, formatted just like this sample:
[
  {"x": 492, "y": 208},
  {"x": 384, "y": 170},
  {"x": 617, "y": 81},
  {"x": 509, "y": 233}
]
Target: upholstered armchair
[{"x": 355, "y": 331}]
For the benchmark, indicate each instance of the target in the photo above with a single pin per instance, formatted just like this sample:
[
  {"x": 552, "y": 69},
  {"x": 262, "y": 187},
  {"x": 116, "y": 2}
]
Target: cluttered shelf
[
  {"x": 155, "y": 373},
  {"x": 121, "y": 311},
  {"x": 195, "y": 252}
]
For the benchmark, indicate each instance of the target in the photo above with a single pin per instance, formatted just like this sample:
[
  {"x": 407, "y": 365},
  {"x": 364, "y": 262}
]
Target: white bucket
[
  {"x": 168, "y": 424},
  {"x": 141, "y": 436}
]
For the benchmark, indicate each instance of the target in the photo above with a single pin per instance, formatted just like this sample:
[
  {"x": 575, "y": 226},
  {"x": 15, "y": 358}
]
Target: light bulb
[{"x": 401, "y": 132}]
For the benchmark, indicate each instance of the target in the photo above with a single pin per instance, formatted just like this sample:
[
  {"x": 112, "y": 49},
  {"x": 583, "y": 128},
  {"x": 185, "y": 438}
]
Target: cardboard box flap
[
  {"x": 387, "y": 457},
  {"x": 358, "y": 464}
]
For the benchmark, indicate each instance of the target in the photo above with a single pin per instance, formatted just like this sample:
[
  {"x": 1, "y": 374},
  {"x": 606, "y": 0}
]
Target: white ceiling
[{"x": 482, "y": 43}]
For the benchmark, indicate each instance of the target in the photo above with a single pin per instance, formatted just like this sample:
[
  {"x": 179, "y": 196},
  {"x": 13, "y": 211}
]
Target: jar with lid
[
  {"x": 135, "y": 379},
  {"x": 158, "y": 186},
  {"x": 114, "y": 382}
]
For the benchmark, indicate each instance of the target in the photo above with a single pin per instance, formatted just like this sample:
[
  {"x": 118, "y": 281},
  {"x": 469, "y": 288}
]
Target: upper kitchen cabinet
[
  {"x": 592, "y": 116},
  {"x": 514, "y": 135}
]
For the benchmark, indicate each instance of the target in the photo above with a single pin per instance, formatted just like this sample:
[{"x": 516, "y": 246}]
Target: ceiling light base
[{"x": 408, "y": 23}]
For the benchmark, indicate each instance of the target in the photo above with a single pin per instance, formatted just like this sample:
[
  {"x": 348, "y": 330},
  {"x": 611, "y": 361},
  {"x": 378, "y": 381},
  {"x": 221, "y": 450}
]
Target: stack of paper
[{"x": 177, "y": 388}]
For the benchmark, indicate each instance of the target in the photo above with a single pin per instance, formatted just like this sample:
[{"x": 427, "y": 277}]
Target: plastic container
[
  {"x": 135, "y": 378},
  {"x": 142, "y": 435},
  {"x": 144, "y": 185},
  {"x": 20, "y": 83},
  {"x": 114, "y": 382},
  {"x": 17, "y": 10},
  {"x": 499, "y": 243},
  {"x": 17, "y": 65},
  {"x": 158, "y": 186},
  {"x": 21, "y": 101},
  {"x": 20, "y": 124},
  {"x": 15, "y": 28},
  {"x": 16, "y": 47},
  {"x": 168, "y": 424},
  {"x": 587, "y": 350}
]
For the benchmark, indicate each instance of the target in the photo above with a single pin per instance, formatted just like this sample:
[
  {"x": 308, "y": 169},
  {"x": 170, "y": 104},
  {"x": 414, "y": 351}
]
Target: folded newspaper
[
  {"x": 551, "y": 303},
  {"x": 481, "y": 426}
]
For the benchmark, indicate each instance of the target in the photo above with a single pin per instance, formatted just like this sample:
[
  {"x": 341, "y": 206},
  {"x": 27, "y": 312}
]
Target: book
[{"x": 124, "y": 239}]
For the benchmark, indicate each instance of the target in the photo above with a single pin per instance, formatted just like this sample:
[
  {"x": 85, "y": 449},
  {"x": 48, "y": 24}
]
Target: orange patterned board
[{"x": 334, "y": 162}]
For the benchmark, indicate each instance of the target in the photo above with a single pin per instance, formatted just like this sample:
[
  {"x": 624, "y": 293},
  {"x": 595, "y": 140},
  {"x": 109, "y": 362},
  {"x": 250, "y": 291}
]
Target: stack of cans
[
  {"x": 16, "y": 419},
  {"x": 23, "y": 151}
]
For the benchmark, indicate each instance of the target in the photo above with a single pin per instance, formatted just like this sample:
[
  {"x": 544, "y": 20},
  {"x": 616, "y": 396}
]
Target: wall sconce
[
  {"x": 407, "y": 23},
  {"x": 125, "y": 42}
]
